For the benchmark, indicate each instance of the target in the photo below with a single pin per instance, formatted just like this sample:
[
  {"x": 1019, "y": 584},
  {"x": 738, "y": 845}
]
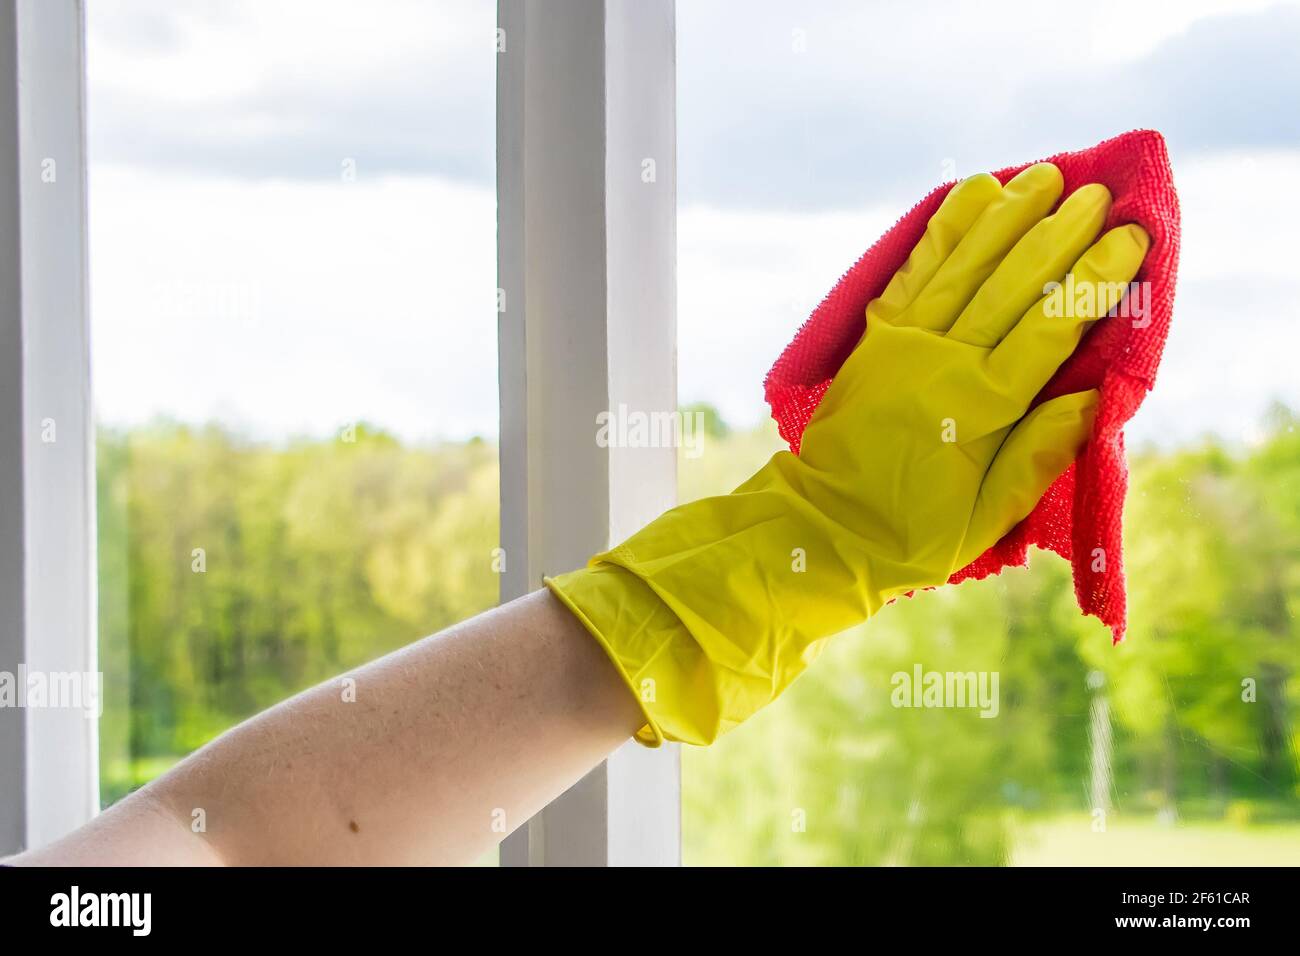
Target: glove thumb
[{"x": 1035, "y": 453}]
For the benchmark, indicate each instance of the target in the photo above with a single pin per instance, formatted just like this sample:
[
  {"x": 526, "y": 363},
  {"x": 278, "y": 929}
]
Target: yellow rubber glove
[{"x": 919, "y": 457}]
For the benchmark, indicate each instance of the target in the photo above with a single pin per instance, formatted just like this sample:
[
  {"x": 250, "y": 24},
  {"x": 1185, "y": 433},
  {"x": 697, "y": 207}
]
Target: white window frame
[
  {"x": 48, "y": 757},
  {"x": 586, "y": 251},
  {"x": 586, "y": 95}
]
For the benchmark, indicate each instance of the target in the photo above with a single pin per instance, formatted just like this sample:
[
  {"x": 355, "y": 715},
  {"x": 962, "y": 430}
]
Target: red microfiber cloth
[{"x": 1079, "y": 517}]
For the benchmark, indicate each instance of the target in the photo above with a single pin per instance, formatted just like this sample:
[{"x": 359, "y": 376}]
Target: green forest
[{"x": 234, "y": 572}]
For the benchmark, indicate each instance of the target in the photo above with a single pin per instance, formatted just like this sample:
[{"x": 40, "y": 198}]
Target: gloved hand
[{"x": 919, "y": 457}]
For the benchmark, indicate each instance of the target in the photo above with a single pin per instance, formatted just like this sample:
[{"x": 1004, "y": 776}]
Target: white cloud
[
  {"x": 873, "y": 100},
  {"x": 218, "y": 131},
  {"x": 289, "y": 306},
  {"x": 286, "y": 306},
  {"x": 287, "y": 88}
]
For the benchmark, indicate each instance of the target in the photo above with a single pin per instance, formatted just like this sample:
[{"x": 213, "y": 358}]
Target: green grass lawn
[{"x": 1070, "y": 841}]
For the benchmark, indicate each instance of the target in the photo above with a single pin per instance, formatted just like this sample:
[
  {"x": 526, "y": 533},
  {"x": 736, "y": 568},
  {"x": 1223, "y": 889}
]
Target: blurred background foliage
[
  {"x": 317, "y": 557},
  {"x": 321, "y": 554}
]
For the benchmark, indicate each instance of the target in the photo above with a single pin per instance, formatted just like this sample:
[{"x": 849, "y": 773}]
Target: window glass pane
[
  {"x": 293, "y": 301},
  {"x": 805, "y": 132}
]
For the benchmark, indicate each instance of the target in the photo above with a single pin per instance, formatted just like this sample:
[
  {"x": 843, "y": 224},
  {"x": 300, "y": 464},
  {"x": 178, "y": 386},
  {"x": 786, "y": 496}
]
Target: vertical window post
[
  {"x": 48, "y": 766},
  {"x": 586, "y": 194}
]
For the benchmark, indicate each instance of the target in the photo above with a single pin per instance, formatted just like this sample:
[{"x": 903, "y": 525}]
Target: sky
[{"x": 292, "y": 208}]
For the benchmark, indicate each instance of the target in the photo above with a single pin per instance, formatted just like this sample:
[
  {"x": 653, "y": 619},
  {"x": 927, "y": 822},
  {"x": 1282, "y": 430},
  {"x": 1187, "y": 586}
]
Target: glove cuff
[
  {"x": 707, "y": 612},
  {"x": 654, "y": 653}
]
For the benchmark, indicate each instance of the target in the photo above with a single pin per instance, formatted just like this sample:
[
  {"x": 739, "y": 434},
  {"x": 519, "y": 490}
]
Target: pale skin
[{"x": 448, "y": 744}]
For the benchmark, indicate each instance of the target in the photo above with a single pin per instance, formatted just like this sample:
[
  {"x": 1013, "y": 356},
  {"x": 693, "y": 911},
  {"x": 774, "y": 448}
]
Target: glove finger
[
  {"x": 1023, "y": 202},
  {"x": 949, "y": 224},
  {"x": 1043, "y": 255},
  {"x": 1035, "y": 454},
  {"x": 1047, "y": 334}
]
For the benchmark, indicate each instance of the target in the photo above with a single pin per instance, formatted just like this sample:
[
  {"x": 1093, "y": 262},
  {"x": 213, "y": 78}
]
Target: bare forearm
[{"x": 425, "y": 756}]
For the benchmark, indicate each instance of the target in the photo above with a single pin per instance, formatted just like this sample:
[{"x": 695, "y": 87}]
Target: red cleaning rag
[{"x": 1079, "y": 517}]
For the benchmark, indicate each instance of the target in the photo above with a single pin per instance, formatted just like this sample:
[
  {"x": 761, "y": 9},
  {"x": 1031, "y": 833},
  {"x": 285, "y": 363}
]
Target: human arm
[{"x": 447, "y": 743}]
